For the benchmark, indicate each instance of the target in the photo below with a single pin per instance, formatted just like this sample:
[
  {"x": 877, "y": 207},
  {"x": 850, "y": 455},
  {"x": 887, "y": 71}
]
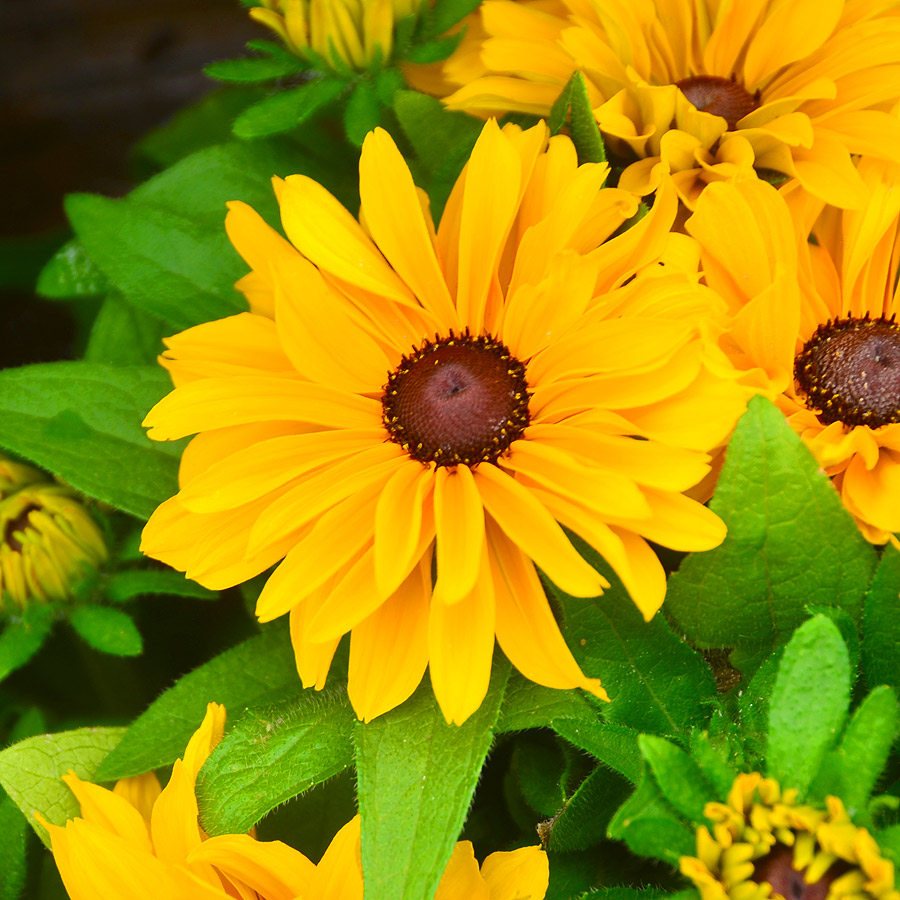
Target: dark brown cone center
[
  {"x": 778, "y": 870},
  {"x": 458, "y": 400},
  {"x": 850, "y": 372},
  {"x": 718, "y": 96}
]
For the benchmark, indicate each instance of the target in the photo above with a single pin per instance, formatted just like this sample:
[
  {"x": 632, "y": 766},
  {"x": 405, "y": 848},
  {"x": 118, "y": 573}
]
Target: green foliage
[
  {"x": 122, "y": 335},
  {"x": 130, "y": 583},
  {"x": 13, "y": 841},
  {"x": 681, "y": 781},
  {"x": 881, "y": 623},
  {"x": 529, "y": 705},
  {"x": 446, "y": 13},
  {"x": 287, "y": 109},
  {"x": 582, "y": 125},
  {"x": 22, "y": 636},
  {"x": 71, "y": 273},
  {"x": 808, "y": 704},
  {"x": 255, "y": 68},
  {"x": 713, "y": 758},
  {"x": 31, "y": 771},
  {"x": 272, "y": 755},
  {"x": 656, "y": 682},
  {"x": 362, "y": 112},
  {"x": 107, "y": 630},
  {"x": 258, "y": 671},
  {"x": 612, "y": 744},
  {"x": 81, "y": 421},
  {"x": 790, "y": 543},
  {"x": 416, "y": 776}
]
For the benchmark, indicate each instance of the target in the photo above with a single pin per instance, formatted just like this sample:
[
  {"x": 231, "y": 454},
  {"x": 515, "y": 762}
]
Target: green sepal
[
  {"x": 559, "y": 112},
  {"x": 31, "y": 772},
  {"x": 252, "y": 69},
  {"x": 851, "y": 770},
  {"x": 614, "y": 745},
  {"x": 881, "y": 623},
  {"x": 714, "y": 759},
  {"x": 362, "y": 113},
  {"x": 444, "y": 14},
  {"x": 272, "y": 755},
  {"x": 22, "y": 636},
  {"x": 119, "y": 587},
  {"x": 530, "y": 705},
  {"x": 287, "y": 109},
  {"x": 656, "y": 682},
  {"x": 416, "y": 777},
  {"x": 790, "y": 543},
  {"x": 81, "y": 421},
  {"x": 680, "y": 779},
  {"x": 649, "y": 827},
  {"x": 71, "y": 273},
  {"x": 808, "y": 704},
  {"x": 107, "y": 629},
  {"x": 259, "y": 671},
  {"x": 583, "y": 125},
  {"x": 13, "y": 841}
]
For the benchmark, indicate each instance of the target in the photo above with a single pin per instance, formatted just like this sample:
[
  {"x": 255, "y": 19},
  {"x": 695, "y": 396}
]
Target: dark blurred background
[{"x": 80, "y": 82}]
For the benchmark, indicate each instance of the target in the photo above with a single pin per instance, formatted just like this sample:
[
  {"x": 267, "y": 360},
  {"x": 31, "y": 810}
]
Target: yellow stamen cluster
[
  {"x": 356, "y": 32},
  {"x": 758, "y": 818},
  {"x": 48, "y": 540}
]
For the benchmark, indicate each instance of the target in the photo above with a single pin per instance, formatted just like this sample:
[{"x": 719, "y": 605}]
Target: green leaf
[
  {"x": 713, "y": 760},
  {"x": 362, "y": 113},
  {"x": 107, "y": 630},
  {"x": 753, "y": 703},
  {"x": 446, "y": 13},
  {"x": 256, "y": 672},
  {"x": 530, "y": 705},
  {"x": 881, "y": 623},
  {"x": 790, "y": 543},
  {"x": 809, "y": 703},
  {"x": 612, "y": 744},
  {"x": 585, "y": 133},
  {"x": 416, "y": 778},
  {"x": 647, "y": 824},
  {"x": 31, "y": 722},
  {"x": 272, "y": 755},
  {"x": 71, "y": 273},
  {"x": 583, "y": 821},
  {"x": 22, "y": 636},
  {"x": 656, "y": 682},
  {"x": 889, "y": 842},
  {"x": 125, "y": 585},
  {"x": 82, "y": 420},
  {"x": 851, "y": 770},
  {"x": 250, "y": 69},
  {"x": 626, "y": 893},
  {"x": 539, "y": 768},
  {"x": 31, "y": 771},
  {"x": 168, "y": 265},
  {"x": 123, "y": 335},
  {"x": 680, "y": 779},
  {"x": 286, "y": 109},
  {"x": 434, "y": 50},
  {"x": 13, "y": 840},
  {"x": 560, "y": 110}
]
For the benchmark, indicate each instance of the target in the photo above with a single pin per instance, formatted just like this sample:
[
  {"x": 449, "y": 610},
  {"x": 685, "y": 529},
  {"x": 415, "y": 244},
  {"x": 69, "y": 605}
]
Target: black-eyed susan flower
[
  {"x": 403, "y": 398},
  {"x": 140, "y": 842},
  {"x": 703, "y": 90},
  {"x": 763, "y": 844},
  {"x": 48, "y": 541},
  {"x": 814, "y": 325}
]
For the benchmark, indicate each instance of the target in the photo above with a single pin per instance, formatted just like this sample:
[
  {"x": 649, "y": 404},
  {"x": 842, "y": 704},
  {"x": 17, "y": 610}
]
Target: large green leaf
[
  {"x": 82, "y": 421},
  {"x": 416, "y": 777},
  {"x": 656, "y": 682},
  {"x": 809, "y": 703},
  {"x": 790, "y": 543},
  {"x": 881, "y": 624},
  {"x": 529, "y": 705},
  {"x": 31, "y": 771},
  {"x": 272, "y": 755},
  {"x": 259, "y": 671}
]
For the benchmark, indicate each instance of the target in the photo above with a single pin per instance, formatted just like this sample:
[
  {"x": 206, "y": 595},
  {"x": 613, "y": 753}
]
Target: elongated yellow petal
[
  {"x": 459, "y": 530},
  {"x": 522, "y": 874},
  {"x": 462, "y": 877}
]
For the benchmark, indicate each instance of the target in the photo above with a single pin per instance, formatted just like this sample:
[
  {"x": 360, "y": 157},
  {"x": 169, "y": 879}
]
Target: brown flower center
[
  {"x": 719, "y": 96},
  {"x": 777, "y": 868},
  {"x": 849, "y": 371},
  {"x": 459, "y": 400}
]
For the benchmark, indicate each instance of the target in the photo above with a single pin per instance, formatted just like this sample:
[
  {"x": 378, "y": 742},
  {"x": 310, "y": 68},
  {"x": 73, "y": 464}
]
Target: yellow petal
[
  {"x": 462, "y": 878},
  {"x": 339, "y": 872},
  {"x": 109, "y": 811},
  {"x": 522, "y": 874}
]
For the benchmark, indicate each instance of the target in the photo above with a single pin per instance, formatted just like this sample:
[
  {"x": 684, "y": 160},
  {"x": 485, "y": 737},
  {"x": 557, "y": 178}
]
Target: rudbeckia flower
[
  {"x": 763, "y": 844},
  {"x": 403, "y": 398},
  {"x": 703, "y": 90},
  {"x": 815, "y": 325},
  {"x": 138, "y": 842}
]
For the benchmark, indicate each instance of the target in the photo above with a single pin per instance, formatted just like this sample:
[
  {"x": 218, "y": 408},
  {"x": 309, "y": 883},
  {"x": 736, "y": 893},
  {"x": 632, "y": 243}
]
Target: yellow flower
[
  {"x": 48, "y": 541},
  {"x": 704, "y": 90},
  {"x": 349, "y": 33},
  {"x": 814, "y": 325},
  {"x": 138, "y": 842},
  {"x": 402, "y": 396},
  {"x": 764, "y": 844}
]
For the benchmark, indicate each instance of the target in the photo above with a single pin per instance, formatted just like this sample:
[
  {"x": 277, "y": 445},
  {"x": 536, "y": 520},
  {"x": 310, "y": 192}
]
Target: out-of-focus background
[{"x": 80, "y": 82}]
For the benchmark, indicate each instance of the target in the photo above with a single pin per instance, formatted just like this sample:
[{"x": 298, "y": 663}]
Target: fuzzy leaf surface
[
  {"x": 13, "y": 840},
  {"x": 583, "y": 820},
  {"x": 272, "y": 755},
  {"x": 416, "y": 778},
  {"x": 585, "y": 133},
  {"x": 259, "y": 671},
  {"x": 82, "y": 421},
  {"x": 881, "y": 624},
  {"x": 680, "y": 779},
  {"x": 790, "y": 543},
  {"x": 31, "y": 771},
  {"x": 614, "y": 745},
  {"x": 530, "y": 705}
]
